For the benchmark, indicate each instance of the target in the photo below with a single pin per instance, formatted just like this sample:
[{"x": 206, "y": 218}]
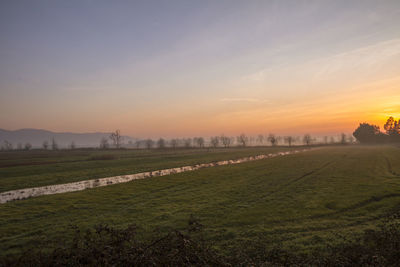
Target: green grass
[
  {"x": 26, "y": 169},
  {"x": 302, "y": 201}
]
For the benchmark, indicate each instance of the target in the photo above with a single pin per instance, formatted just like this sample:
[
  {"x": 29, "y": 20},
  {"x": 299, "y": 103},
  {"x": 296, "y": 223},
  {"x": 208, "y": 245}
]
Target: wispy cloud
[
  {"x": 365, "y": 59},
  {"x": 240, "y": 99}
]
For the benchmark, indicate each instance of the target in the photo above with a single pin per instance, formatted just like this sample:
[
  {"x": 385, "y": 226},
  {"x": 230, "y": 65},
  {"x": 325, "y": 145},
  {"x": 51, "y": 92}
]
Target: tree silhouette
[
  {"x": 242, "y": 140},
  {"x": 307, "y": 139},
  {"x": 174, "y": 143},
  {"x": 199, "y": 141},
  {"x": 54, "y": 144},
  {"x": 392, "y": 128},
  {"x": 368, "y": 133},
  {"x": 45, "y": 145},
  {"x": 214, "y": 141},
  {"x": 116, "y": 138},
  {"x": 272, "y": 139},
  {"x": 161, "y": 143},
  {"x": 343, "y": 139},
  {"x": 149, "y": 143},
  {"x": 226, "y": 141},
  {"x": 288, "y": 140},
  {"x": 104, "y": 143}
]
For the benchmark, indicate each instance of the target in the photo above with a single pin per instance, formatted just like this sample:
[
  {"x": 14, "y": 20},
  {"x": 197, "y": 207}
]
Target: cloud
[
  {"x": 365, "y": 59},
  {"x": 239, "y": 99}
]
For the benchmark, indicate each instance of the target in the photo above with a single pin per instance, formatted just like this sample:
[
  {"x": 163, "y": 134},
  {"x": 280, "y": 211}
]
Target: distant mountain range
[{"x": 36, "y": 138}]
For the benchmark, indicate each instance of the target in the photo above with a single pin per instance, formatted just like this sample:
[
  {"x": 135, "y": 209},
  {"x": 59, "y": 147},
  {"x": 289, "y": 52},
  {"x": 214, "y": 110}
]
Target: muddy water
[{"x": 82, "y": 185}]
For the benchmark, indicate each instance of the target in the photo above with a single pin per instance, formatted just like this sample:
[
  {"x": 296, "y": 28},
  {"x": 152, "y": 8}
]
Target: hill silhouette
[{"x": 37, "y": 136}]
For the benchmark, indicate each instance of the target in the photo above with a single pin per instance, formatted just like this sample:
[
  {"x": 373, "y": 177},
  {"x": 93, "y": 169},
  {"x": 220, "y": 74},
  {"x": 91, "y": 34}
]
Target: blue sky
[{"x": 179, "y": 68}]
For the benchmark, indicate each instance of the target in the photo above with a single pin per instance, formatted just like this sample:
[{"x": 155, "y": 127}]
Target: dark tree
[
  {"x": 116, "y": 138},
  {"x": 54, "y": 144},
  {"x": 72, "y": 145},
  {"x": 392, "y": 128},
  {"x": 161, "y": 143},
  {"x": 307, "y": 139},
  {"x": 174, "y": 143},
  {"x": 225, "y": 140},
  {"x": 187, "y": 142},
  {"x": 367, "y": 133},
  {"x": 343, "y": 139},
  {"x": 138, "y": 143},
  {"x": 7, "y": 145},
  {"x": 28, "y": 146},
  {"x": 242, "y": 140},
  {"x": 199, "y": 141},
  {"x": 104, "y": 143},
  {"x": 272, "y": 139},
  {"x": 45, "y": 145},
  {"x": 260, "y": 139},
  {"x": 214, "y": 141},
  {"x": 288, "y": 140},
  {"x": 149, "y": 143}
]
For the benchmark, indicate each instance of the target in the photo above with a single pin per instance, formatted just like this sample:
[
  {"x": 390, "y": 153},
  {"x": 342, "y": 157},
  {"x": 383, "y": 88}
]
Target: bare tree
[
  {"x": 214, "y": 141},
  {"x": 226, "y": 141},
  {"x": 326, "y": 140},
  {"x": 260, "y": 139},
  {"x": 72, "y": 145},
  {"x": 149, "y": 143},
  {"x": 28, "y": 146},
  {"x": 116, "y": 138},
  {"x": 242, "y": 140},
  {"x": 199, "y": 141},
  {"x": 45, "y": 145},
  {"x": 351, "y": 139},
  {"x": 272, "y": 139},
  {"x": 307, "y": 139},
  {"x": 104, "y": 143},
  {"x": 137, "y": 144},
  {"x": 187, "y": 142},
  {"x": 7, "y": 145},
  {"x": 343, "y": 139},
  {"x": 174, "y": 143},
  {"x": 332, "y": 140},
  {"x": 54, "y": 145},
  {"x": 279, "y": 139},
  {"x": 251, "y": 141},
  {"x": 161, "y": 143},
  {"x": 288, "y": 140}
]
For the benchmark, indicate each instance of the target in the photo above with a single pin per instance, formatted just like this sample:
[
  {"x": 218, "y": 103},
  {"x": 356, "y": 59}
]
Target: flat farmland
[
  {"x": 301, "y": 201},
  {"x": 24, "y": 169}
]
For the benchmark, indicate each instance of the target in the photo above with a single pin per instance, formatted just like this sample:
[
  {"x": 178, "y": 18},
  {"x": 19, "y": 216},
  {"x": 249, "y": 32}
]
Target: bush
[{"x": 107, "y": 246}]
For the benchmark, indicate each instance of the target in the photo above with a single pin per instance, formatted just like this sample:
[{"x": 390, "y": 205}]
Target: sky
[{"x": 191, "y": 68}]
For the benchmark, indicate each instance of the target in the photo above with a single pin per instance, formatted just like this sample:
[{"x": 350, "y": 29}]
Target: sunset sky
[{"x": 187, "y": 68}]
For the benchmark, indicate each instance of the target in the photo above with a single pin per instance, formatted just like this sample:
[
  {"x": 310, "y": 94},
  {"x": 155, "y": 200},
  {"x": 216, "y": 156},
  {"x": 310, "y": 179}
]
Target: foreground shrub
[{"x": 107, "y": 246}]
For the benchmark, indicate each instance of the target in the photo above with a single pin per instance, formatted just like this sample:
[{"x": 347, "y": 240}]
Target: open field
[
  {"x": 301, "y": 201},
  {"x": 26, "y": 169}
]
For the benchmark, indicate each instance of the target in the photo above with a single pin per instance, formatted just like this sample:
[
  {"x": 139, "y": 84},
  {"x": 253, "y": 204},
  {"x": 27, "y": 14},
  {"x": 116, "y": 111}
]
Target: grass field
[
  {"x": 26, "y": 169},
  {"x": 302, "y": 201}
]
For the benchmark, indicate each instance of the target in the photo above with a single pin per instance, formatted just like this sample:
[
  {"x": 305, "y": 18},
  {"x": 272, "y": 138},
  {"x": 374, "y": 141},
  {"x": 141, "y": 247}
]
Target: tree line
[
  {"x": 368, "y": 133},
  {"x": 115, "y": 140}
]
